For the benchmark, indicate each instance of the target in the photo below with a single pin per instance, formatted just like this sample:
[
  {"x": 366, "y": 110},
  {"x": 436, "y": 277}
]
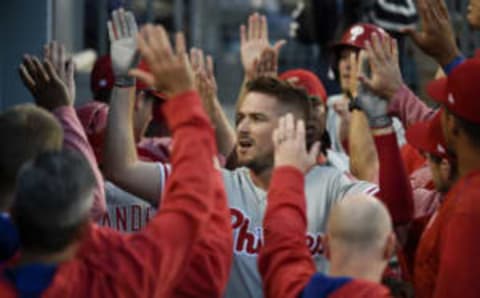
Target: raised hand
[
  {"x": 51, "y": 82},
  {"x": 385, "y": 78},
  {"x": 254, "y": 41},
  {"x": 267, "y": 64},
  {"x": 205, "y": 81},
  {"x": 122, "y": 30},
  {"x": 436, "y": 38},
  {"x": 170, "y": 69},
  {"x": 290, "y": 145},
  {"x": 374, "y": 106}
]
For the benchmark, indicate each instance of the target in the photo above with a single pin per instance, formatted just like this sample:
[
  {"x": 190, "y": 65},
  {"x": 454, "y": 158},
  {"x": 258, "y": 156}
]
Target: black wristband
[{"x": 124, "y": 82}]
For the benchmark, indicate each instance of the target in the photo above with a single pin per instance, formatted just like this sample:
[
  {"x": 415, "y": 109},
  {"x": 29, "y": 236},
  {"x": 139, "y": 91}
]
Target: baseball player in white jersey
[{"x": 265, "y": 102}]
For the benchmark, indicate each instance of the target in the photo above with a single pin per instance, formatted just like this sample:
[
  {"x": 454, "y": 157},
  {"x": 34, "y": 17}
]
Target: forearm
[
  {"x": 224, "y": 132},
  {"x": 75, "y": 139},
  {"x": 344, "y": 131},
  {"x": 242, "y": 93},
  {"x": 395, "y": 188},
  {"x": 120, "y": 150},
  {"x": 408, "y": 107},
  {"x": 189, "y": 197},
  {"x": 121, "y": 163},
  {"x": 285, "y": 262},
  {"x": 363, "y": 155}
]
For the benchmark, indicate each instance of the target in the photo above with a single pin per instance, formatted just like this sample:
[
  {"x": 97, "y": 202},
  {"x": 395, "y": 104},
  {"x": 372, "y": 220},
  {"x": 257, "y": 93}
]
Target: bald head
[{"x": 359, "y": 222}]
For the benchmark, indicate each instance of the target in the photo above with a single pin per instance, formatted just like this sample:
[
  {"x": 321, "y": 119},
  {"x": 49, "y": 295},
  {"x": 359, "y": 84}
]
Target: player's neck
[
  {"x": 358, "y": 267},
  {"x": 262, "y": 180}
]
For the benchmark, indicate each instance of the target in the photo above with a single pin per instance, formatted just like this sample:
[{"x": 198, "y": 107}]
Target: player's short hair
[
  {"x": 25, "y": 131},
  {"x": 285, "y": 93},
  {"x": 54, "y": 195}
]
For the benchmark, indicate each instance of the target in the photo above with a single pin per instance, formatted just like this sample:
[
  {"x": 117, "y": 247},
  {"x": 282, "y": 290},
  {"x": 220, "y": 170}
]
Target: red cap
[
  {"x": 93, "y": 117},
  {"x": 306, "y": 79},
  {"x": 102, "y": 77},
  {"x": 427, "y": 136},
  {"x": 357, "y": 35},
  {"x": 459, "y": 91}
]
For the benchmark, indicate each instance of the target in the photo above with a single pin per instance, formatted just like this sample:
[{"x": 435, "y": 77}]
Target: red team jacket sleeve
[
  {"x": 459, "y": 259},
  {"x": 152, "y": 263},
  {"x": 75, "y": 139},
  {"x": 408, "y": 107},
  {"x": 395, "y": 188},
  {"x": 285, "y": 262},
  {"x": 209, "y": 268}
]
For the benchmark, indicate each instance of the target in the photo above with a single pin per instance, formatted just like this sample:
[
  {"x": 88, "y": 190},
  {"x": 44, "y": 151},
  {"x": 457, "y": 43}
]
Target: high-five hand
[
  {"x": 170, "y": 69},
  {"x": 123, "y": 30},
  {"x": 254, "y": 41},
  {"x": 290, "y": 145}
]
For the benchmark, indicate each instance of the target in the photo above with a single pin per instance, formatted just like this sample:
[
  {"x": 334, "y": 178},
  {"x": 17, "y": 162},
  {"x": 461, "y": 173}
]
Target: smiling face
[{"x": 256, "y": 119}]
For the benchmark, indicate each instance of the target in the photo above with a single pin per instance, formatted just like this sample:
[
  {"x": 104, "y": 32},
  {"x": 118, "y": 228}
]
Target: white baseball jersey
[
  {"x": 333, "y": 128},
  {"x": 323, "y": 185},
  {"x": 126, "y": 212}
]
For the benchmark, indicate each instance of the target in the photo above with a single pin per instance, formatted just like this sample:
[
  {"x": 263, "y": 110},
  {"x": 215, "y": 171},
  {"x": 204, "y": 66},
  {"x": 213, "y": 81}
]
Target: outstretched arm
[
  {"x": 52, "y": 85},
  {"x": 285, "y": 262},
  {"x": 121, "y": 163},
  {"x": 395, "y": 188},
  {"x": 163, "y": 248},
  {"x": 207, "y": 87}
]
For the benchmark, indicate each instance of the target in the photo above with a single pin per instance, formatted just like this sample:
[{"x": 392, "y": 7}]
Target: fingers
[
  {"x": 180, "y": 44},
  {"x": 111, "y": 31},
  {"x": 117, "y": 24},
  {"x": 131, "y": 24},
  {"x": 210, "y": 69},
  {"x": 300, "y": 132},
  {"x": 144, "y": 76},
  {"x": 279, "y": 45},
  {"x": 314, "y": 152},
  {"x": 26, "y": 78},
  {"x": 263, "y": 28},
  {"x": 251, "y": 26},
  {"x": 289, "y": 127},
  {"x": 243, "y": 35},
  {"x": 50, "y": 70},
  {"x": 42, "y": 75}
]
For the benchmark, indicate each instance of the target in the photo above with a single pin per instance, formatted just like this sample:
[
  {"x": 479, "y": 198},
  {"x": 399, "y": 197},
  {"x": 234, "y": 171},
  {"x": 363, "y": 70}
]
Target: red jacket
[
  {"x": 448, "y": 263},
  {"x": 285, "y": 261},
  {"x": 150, "y": 263}
]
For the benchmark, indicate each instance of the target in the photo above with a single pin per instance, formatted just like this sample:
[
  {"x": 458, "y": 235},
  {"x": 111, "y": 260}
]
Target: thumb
[
  {"x": 144, "y": 76},
  {"x": 368, "y": 83},
  {"x": 313, "y": 153},
  {"x": 279, "y": 45}
]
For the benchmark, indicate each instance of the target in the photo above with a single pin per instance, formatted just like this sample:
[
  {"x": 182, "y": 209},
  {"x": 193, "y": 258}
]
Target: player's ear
[
  {"x": 390, "y": 246},
  {"x": 326, "y": 247}
]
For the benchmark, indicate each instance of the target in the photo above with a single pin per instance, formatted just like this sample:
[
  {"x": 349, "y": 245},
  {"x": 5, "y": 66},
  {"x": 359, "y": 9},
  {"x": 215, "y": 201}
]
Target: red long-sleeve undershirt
[{"x": 395, "y": 188}]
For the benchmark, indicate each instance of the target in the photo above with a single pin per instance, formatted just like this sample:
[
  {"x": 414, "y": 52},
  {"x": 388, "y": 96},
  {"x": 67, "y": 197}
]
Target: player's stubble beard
[{"x": 258, "y": 164}]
